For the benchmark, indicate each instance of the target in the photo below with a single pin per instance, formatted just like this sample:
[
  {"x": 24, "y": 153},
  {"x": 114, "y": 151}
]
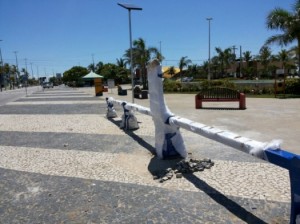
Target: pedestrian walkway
[{"x": 61, "y": 160}]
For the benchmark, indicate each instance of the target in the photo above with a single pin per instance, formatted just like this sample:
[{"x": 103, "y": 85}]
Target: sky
[{"x": 51, "y": 36}]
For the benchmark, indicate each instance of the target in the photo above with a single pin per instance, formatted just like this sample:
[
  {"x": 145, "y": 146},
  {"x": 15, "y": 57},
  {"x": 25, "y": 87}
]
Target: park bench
[
  {"x": 220, "y": 94},
  {"x": 139, "y": 93},
  {"x": 121, "y": 91}
]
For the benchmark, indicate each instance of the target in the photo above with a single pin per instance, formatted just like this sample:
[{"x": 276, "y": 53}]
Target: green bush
[
  {"x": 171, "y": 85},
  {"x": 218, "y": 83},
  {"x": 292, "y": 86}
]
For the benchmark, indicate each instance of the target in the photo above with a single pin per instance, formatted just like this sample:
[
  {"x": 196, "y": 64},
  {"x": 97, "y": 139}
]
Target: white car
[{"x": 47, "y": 85}]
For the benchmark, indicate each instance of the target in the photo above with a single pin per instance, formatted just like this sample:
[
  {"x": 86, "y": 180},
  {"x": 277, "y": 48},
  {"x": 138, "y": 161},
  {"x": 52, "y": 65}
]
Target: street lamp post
[
  {"x": 32, "y": 76},
  {"x": 26, "y": 76},
  {"x": 208, "y": 19},
  {"x": 130, "y": 7},
  {"x": 17, "y": 68},
  {"x": 1, "y": 70}
]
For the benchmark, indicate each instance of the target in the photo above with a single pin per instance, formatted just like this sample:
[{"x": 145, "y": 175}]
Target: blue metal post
[{"x": 291, "y": 162}]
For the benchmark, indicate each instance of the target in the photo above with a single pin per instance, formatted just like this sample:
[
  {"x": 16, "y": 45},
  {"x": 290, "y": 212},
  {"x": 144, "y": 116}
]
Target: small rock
[
  {"x": 199, "y": 168},
  {"x": 178, "y": 175},
  {"x": 169, "y": 175},
  {"x": 155, "y": 177},
  {"x": 176, "y": 171},
  {"x": 165, "y": 178},
  {"x": 169, "y": 169}
]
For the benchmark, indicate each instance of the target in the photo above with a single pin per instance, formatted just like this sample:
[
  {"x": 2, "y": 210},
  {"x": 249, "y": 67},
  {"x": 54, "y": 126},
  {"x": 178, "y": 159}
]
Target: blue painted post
[
  {"x": 290, "y": 162},
  {"x": 111, "y": 112},
  {"x": 295, "y": 189},
  {"x": 129, "y": 121}
]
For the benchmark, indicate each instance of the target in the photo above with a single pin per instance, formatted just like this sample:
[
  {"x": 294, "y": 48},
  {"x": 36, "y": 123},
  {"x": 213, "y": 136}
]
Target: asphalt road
[{"x": 7, "y": 96}]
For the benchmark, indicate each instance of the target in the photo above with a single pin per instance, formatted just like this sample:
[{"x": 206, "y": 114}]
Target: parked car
[
  {"x": 187, "y": 79},
  {"x": 47, "y": 85}
]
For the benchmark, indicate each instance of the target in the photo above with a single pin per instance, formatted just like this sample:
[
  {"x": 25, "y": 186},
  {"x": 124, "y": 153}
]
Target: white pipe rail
[{"x": 228, "y": 138}]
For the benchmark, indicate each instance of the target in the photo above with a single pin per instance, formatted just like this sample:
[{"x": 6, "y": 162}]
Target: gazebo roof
[{"x": 92, "y": 75}]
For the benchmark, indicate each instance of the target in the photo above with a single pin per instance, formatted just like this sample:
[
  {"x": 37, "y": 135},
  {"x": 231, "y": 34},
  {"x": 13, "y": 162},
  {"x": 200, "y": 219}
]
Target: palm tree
[
  {"x": 141, "y": 55},
  {"x": 225, "y": 58},
  {"x": 247, "y": 57},
  {"x": 265, "y": 56},
  {"x": 183, "y": 63},
  {"x": 121, "y": 63},
  {"x": 283, "y": 57},
  {"x": 288, "y": 23},
  {"x": 171, "y": 70},
  {"x": 99, "y": 67},
  {"x": 91, "y": 67}
]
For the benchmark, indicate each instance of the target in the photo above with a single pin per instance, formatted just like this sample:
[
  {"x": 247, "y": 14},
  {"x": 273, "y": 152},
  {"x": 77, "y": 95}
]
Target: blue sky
[{"x": 55, "y": 35}]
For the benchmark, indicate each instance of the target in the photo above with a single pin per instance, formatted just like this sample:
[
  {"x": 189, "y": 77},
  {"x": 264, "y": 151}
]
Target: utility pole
[
  {"x": 26, "y": 76},
  {"x": 1, "y": 70},
  {"x": 234, "y": 55},
  {"x": 241, "y": 61},
  {"x": 208, "y": 19},
  {"x": 234, "y": 48},
  {"x": 17, "y": 67},
  {"x": 93, "y": 63},
  {"x": 37, "y": 73},
  {"x": 31, "y": 70},
  {"x": 160, "y": 52}
]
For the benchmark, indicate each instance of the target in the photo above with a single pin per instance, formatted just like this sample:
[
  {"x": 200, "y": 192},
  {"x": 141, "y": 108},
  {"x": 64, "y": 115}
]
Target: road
[{"x": 7, "y": 96}]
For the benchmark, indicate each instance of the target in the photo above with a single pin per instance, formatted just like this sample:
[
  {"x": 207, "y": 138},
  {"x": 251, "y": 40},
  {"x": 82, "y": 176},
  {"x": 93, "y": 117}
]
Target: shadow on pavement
[
  {"x": 135, "y": 137},
  {"x": 220, "y": 108},
  {"x": 157, "y": 166},
  {"x": 221, "y": 199}
]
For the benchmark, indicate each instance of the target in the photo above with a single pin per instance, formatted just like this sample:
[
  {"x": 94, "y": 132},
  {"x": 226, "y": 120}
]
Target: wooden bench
[
  {"x": 220, "y": 94},
  {"x": 140, "y": 94},
  {"x": 122, "y": 92}
]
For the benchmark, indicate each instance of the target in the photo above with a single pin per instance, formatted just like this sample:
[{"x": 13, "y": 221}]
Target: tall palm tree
[
  {"x": 225, "y": 58},
  {"x": 265, "y": 56},
  {"x": 288, "y": 23},
  {"x": 171, "y": 70},
  {"x": 91, "y": 67},
  {"x": 283, "y": 57},
  {"x": 121, "y": 62},
  {"x": 247, "y": 57},
  {"x": 141, "y": 55},
  {"x": 183, "y": 63}
]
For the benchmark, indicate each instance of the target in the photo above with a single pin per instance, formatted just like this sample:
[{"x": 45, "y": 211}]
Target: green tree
[
  {"x": 98, "y": 67},
  {"x": 193, "y": 70},
  {"x": 265, "y": 56},
  {"x": 73, "y": 76},
  {"x": 183, "y": 63},
  {"x": 121, "y": 62},
  {"x": 288, "y": 23},
  {"x": 224, "y": 58},
  {"x": 249, "y": 70},
  {"x": 283, "y": 57},
  {"x": 171, "y": 70},
  {"x": 141, "y": 55},
  {"x": 112, "y": 71},
  {"x": 91, "y": 67}
]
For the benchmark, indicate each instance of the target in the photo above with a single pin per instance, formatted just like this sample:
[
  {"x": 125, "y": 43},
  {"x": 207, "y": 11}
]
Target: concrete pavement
[{"x": 63, "y": 161}]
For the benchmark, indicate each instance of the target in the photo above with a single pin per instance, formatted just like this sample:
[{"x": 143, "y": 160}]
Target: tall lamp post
[
  {"x": 17, "y": 68},
  {"x": 1, "y": 70},
  {"x": 130, "y": 7},
  {"x": 208, "y": 19}
]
